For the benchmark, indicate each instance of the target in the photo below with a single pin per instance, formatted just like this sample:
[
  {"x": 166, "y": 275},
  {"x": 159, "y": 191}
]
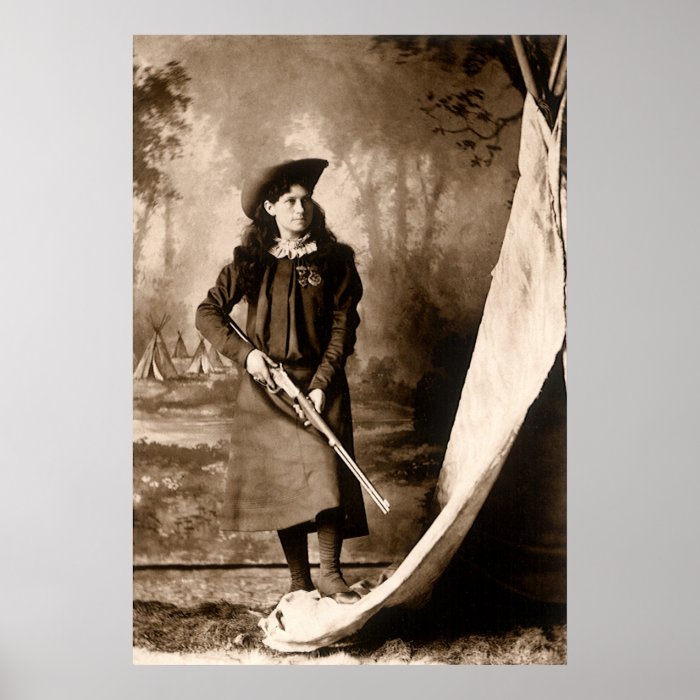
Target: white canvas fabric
[{"x": 521, "y": 332}]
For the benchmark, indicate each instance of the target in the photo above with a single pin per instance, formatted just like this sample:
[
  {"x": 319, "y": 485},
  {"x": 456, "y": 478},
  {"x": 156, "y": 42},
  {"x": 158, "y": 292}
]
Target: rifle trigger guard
[{"x": 264, "y": 384}]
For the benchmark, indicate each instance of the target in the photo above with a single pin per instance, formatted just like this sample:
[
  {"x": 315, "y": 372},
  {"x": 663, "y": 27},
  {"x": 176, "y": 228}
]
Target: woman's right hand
[{"x": 257, "y": 365}]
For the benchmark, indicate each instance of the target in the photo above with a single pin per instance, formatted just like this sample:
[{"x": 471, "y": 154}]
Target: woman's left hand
[{"x": 318, "y": 399}]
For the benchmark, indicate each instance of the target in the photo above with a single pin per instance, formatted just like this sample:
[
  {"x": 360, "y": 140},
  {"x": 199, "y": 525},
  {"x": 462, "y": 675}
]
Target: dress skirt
[{"x": 281, "y": 473}]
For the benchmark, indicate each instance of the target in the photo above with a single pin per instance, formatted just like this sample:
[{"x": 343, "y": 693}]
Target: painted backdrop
[{"x": 422, "y": 135}]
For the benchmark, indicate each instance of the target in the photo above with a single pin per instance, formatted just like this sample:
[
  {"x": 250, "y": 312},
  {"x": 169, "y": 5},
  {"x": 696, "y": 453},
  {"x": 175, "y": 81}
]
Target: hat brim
[{"x": 307, "y": 170}]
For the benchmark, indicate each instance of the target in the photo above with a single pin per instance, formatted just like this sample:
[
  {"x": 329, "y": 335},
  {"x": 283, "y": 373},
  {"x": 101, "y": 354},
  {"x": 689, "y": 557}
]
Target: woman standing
[{"x": 302, "y": 290}]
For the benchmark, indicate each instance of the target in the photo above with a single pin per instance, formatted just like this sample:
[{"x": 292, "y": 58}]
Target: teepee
[
  {"x": 180, "y": 347},
  {"x": 156, "y": 363},
  {"x": 217, "y": 364},
  {"x": 201, "y": 364}
]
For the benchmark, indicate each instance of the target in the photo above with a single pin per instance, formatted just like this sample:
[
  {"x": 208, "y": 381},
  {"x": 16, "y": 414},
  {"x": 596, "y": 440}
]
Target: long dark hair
[{"x": 252, "y": 256}]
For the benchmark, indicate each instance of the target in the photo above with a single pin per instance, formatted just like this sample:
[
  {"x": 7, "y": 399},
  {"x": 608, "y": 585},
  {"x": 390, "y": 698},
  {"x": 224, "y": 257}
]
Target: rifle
[{"x": 284, "y": 382}]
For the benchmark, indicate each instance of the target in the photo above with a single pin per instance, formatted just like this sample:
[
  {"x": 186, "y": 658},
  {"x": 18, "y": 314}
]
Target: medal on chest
[{"x": 308, "y": 275}]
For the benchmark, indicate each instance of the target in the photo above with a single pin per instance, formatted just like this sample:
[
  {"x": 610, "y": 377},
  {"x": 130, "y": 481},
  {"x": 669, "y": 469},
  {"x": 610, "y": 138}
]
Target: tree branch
[{"x": 499, "y": 123}]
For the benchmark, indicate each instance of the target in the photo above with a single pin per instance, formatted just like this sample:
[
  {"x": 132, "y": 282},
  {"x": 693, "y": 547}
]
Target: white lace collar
[{"x": 293, "y": 248}]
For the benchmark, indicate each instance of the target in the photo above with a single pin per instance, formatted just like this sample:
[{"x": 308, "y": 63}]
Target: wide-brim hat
[{"x": 304, "y": 171}]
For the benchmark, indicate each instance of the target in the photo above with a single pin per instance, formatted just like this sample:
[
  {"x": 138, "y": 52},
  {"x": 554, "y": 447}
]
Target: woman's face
[{"x": 293, "y": 211}]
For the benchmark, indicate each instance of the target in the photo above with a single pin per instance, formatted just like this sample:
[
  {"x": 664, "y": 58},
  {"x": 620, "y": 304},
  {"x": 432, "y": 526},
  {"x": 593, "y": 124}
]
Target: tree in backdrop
[
  {"x": 363, "y": 110},
  {"x": 476, "y": 123},
  {"x": 464, "y": 112},
  {"x": 160, "y": 106},
  {"x": 372, "y": 108},
  {"x": 401, "y": 176},
  {"x": 402, "y": 173},
  {"x": 160, "y": 103}
]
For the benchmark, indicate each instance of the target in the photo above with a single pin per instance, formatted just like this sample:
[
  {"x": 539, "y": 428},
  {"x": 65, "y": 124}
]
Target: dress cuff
[{"x": 319, "y": 381}]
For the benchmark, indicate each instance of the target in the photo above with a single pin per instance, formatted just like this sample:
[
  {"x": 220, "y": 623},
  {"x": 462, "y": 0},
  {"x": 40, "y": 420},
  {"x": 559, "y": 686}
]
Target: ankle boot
[{"x": 330, "y": 582}]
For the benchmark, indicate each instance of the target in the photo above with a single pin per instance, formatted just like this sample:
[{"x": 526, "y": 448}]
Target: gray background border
[{"x": 633, "y": 344}]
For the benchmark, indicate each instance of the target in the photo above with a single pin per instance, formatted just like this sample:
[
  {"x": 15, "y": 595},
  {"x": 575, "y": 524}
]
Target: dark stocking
[
  {"x": 295, "y": 546},
  {"x": 330, "y": 542}
]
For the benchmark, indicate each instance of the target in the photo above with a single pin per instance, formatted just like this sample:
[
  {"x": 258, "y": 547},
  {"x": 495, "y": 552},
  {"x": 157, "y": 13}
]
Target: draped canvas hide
[{"x": 521, "y": 332}]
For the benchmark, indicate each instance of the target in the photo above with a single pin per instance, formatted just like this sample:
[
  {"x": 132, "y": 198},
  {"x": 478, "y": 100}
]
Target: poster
[{"x": 422, "y": 136}]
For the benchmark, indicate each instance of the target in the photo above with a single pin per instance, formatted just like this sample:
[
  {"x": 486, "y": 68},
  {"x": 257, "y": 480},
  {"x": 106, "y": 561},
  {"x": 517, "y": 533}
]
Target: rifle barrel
[
  {"x": 317, "y": 421},
  {"x": 382, "y": 503}
]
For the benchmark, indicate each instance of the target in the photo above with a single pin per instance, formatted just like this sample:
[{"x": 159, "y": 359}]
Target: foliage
[
  {"x": 417, "y": 465},
  {"x": 418, "y": 254},
  {"x": 380, "y": 380},
  {"x": 160, "y": 103},
  {"x": 465, "y": 112},
  {"x": 187, "y": 393},
  {"x": 159, "y": 127},
  {"x": 166, "y": 456},
  {"x": 468, "y": 115},
  {"x": 177, "y": 492},
  {"x": 417, "y": 268},
  {"x": 402, "y": 178}
]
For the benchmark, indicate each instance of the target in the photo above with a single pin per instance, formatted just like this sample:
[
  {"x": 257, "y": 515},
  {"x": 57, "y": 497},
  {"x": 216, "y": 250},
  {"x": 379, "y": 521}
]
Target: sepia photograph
[{"x": 349, "y": 349}]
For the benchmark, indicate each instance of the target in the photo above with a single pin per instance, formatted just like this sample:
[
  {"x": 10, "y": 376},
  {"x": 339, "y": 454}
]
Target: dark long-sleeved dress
[{"x": 280, "y": 473}]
